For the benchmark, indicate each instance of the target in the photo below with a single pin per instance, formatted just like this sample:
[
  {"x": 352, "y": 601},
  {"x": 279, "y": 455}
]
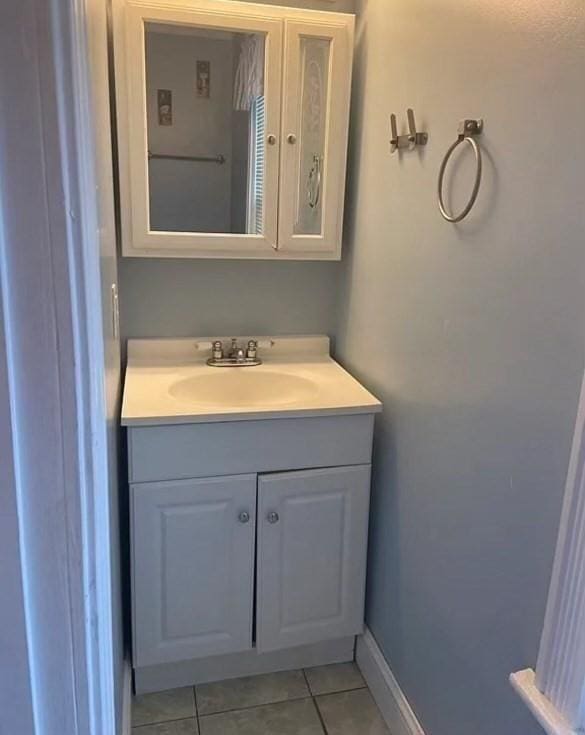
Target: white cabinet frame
[
  {"x": 336, "y": 132},
  {"x": 282, "y": 70}
]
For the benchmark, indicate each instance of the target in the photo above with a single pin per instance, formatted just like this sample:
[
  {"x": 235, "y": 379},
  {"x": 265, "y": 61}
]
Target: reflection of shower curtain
[{"x": 249, "y": 78}]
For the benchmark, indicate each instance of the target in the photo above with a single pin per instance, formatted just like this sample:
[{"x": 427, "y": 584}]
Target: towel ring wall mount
[{"x": 468, "y": 130}]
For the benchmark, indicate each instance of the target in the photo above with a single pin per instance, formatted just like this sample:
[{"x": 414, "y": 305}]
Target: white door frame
[
  {"x": 16, "y": 704},
  {"x": 555, "y": 692},
  {"x": 54, "y": 371}
]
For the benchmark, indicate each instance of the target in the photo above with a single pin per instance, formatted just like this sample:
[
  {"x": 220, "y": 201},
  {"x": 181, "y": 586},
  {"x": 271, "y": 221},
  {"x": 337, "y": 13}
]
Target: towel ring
[{"x": 467, "y": 129}]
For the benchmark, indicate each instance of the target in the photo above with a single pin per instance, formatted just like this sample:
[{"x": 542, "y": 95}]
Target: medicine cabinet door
[
  {"x": 198, "y": 95},
  {"x": 316, "y": 92}
]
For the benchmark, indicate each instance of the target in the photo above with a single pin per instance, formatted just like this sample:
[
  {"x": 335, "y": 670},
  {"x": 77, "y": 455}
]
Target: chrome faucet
[
  {"x": 238, "y": 356},
  {"x": 237, "y": 352}
]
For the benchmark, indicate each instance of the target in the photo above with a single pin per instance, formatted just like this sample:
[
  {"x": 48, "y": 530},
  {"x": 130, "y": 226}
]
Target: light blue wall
[
  {"x": 182, "y": 298},
  {"x": 174, "y": 298},
  {"x": 472, "y": 336}
]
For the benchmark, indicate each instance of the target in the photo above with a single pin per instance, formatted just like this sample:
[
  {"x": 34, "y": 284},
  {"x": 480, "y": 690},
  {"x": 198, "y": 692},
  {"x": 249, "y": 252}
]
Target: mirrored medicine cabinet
[{"x": 232, "y": 128}]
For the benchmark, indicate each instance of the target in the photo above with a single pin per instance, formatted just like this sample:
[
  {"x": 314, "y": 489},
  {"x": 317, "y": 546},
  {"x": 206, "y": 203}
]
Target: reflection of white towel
[{"x": 249, "y": 79}]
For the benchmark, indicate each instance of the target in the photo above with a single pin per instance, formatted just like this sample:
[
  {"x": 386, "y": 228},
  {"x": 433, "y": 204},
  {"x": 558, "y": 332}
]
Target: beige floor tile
[
  {"x": 334, "y": 678},
  {"x": 351, "y": 713},
  {"x": 173, "y": 704},
  {"x": 285, "y": 718},
  {"x": 176, "y": 727},
  {"x": 250, "y": 691}
]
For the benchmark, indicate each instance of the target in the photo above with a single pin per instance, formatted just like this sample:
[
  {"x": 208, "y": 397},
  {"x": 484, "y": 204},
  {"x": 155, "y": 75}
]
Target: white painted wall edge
[
  {"x": 127, "y": 699},
  {"x": 560, "y": 668},
  {"x": 551, "y": 720},
  {"x": 52, "y": 309},
  {"x": 389, "y": 697}
]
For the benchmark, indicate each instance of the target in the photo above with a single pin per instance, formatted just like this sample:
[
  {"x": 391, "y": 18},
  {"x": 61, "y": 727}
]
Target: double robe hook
[{"x": 406, "y": 142}]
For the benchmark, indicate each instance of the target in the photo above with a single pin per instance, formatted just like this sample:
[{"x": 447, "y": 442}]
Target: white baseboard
[
  {"x": 127, "y": 699},
  {"x": 390, "y": 699}
]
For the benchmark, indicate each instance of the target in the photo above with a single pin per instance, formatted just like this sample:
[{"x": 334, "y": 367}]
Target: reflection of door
[{"x": 255, "y": 194}]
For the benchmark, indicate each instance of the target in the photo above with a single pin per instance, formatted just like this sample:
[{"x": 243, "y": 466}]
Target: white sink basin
[
  {"x": 169, "y": 382},
  {"x": 244, "y": 387}
]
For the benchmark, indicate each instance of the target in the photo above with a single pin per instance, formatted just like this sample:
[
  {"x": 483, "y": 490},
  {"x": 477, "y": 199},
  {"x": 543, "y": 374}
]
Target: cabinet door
[
  {"x": 316, "y": 91},
  {"x": 312, "y": 543},
  {"x": 198, "y": 105},
  {"x": 192, "y": 568}
]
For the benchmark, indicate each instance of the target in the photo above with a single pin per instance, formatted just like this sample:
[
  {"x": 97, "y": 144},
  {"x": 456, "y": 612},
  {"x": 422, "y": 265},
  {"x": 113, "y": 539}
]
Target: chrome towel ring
[{"x": 467, "y": 130}]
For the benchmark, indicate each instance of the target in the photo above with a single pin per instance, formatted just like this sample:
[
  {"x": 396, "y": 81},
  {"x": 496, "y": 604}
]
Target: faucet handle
[
  {"x": 252, "y": 350},
  {"x": 217, "y": 349}
]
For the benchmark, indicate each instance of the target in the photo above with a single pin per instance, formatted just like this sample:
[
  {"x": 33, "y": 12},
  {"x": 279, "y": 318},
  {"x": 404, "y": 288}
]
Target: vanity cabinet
[
  {"x": 232, "y": 128},
  {"x": 312, "y": 543},
  {"x": 196, "y": 543},
  {"x": 193, "y": 567}
]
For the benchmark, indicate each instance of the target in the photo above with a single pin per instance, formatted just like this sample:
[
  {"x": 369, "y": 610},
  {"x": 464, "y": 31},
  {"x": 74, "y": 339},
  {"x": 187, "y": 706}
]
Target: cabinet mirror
[{"x": 205, "y": 129}]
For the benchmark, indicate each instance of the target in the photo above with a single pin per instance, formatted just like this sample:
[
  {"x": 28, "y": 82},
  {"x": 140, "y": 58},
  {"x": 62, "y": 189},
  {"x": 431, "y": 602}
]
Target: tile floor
[{"x": 327, "y": 700}]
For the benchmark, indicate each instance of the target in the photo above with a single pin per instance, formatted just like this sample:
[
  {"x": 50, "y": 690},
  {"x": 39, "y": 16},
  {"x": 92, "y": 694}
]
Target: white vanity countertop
[{"x": 169, "y": 382}]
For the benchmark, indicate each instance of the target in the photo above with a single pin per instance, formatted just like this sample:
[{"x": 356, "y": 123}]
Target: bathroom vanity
[{"x": 249, "y": 498}]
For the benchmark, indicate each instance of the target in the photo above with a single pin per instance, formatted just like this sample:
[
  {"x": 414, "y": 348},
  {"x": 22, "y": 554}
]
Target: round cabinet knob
[
  {"x": 271, "y": 139},
  {"x": 273, "y": 517},
  {"x": 244, "y": 516},
  {"x": 292, "y": 138}
]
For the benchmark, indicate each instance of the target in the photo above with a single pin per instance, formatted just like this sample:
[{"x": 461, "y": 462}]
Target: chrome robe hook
[{"x": 406, "y": 142}]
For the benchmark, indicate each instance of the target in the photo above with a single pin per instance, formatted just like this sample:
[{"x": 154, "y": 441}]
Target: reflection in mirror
[
  {"x": 205, "y": 126},
  {"x": 315, "y": 58}
]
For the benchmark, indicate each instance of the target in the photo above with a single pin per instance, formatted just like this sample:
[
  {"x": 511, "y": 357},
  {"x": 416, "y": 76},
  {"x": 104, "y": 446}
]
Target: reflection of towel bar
[{"x": 204, "y": 159}]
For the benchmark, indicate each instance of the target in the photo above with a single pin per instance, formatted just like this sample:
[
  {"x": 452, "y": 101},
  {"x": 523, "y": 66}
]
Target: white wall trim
[
  {"x": 560, "y": 669},
  {"x": 16, "y": 696},
  {"x": 127, "y": 699},
  {"x": 389, "y": 697},
  {"x": 81, "y": 184},
  {"x": 49, "y": 267},
  {"x": 549, "y": 718}
]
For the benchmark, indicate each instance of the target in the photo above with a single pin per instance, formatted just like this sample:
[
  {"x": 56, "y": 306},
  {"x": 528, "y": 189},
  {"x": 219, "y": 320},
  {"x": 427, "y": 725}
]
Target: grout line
[
  {"x": 307, "y": 682},
  {"x": 334, "y": 691},
  {"x": 321, "y": 720},
  {"x": 341, "y": 691},
  {"x": 161, "y": 722},
  {"x": 254, "y": 706},
  {"x": 196, "y": 709},
  {"x": 311, "y": 696},
  {"x": 320, "y": 716}
]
